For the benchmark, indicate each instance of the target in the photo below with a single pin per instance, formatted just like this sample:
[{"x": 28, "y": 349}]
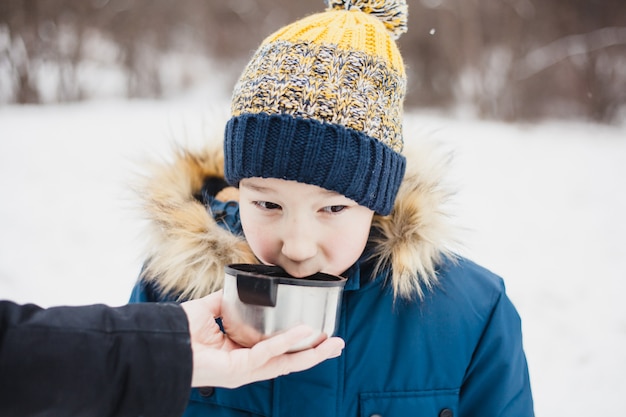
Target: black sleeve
[{"x": 94, "y": 360}]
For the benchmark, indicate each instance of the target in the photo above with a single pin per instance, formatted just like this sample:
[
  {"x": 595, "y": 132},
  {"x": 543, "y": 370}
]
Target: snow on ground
[{"x": 544, "y": 205}]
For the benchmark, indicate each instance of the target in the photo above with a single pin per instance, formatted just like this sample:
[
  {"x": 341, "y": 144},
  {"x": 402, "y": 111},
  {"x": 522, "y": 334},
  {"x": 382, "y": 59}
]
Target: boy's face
[{"x": 302, "y": 228}]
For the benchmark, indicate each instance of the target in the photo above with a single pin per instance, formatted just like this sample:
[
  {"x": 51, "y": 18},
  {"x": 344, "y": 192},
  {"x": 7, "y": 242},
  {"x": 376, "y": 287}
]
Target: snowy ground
[{"x": 545, "y": 204}]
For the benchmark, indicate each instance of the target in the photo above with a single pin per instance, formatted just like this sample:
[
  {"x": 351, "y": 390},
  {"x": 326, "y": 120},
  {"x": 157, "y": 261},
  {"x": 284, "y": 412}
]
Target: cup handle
[{"x": 257, "y": 291}]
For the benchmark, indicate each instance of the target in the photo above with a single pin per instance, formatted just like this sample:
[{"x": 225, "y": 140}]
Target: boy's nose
[
  {"x": 299, "y": 242},
  {"x": 298, "y": 250}
]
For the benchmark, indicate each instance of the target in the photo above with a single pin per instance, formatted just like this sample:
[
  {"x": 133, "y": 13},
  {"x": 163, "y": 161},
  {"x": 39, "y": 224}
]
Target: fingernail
[
  {"x": 336, "y": 351},
  {"x": 335, "y": 354}
]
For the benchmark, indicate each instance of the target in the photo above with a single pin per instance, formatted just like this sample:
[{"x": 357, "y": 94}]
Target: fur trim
[
  {"x": 188, "y": 250},
  {"x": 417, "y": 235}
]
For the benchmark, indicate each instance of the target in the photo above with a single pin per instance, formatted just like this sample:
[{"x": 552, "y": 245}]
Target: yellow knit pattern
[
  {"x": 340, "y": 67},
  {"x": 318, "y": 81},
  {"x": 349, "y": 30}
]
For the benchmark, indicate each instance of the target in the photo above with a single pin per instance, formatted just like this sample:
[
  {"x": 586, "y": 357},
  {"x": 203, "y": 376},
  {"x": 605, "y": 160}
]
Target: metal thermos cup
[{"x": 260, "y": 301}]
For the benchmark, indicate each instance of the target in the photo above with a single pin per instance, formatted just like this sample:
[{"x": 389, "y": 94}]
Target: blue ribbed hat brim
[{"x": 313, "y": 152}]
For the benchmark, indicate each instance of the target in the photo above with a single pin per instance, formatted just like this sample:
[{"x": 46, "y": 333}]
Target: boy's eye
[
  {"x": 267, "y": 205},
  {"x": 334, "y": 209}
]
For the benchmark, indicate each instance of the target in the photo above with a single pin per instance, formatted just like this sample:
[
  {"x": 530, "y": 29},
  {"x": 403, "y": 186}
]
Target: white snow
[{"x": 544, "y": 204}]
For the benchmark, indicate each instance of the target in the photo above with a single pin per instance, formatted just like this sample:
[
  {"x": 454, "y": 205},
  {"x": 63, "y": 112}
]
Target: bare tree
[{"x": 506, "y": 59}]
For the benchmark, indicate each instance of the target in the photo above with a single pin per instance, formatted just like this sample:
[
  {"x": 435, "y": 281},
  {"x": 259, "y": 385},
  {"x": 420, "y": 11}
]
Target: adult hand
[{"x": 220, "y": 362}]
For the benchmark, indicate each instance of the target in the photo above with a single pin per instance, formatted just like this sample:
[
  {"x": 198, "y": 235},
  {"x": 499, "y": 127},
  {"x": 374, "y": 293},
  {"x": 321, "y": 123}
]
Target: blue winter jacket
[{"x": 455, "y": 352}]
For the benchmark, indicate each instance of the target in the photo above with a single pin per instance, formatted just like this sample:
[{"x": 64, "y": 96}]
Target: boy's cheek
[{"x": 263, "y": 247}]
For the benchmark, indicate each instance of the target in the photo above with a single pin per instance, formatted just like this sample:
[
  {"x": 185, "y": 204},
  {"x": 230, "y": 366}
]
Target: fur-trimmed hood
[{"x": 187, "y": 250}]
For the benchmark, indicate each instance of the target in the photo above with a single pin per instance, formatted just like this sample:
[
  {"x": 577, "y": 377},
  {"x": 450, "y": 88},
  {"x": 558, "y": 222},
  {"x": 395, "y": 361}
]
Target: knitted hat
[{"x": 320, "y": 102}]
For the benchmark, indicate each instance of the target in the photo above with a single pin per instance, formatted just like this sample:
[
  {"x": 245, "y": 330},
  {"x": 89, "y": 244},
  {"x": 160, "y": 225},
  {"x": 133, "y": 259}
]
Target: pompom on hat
[{"x": 321, "y": 102}]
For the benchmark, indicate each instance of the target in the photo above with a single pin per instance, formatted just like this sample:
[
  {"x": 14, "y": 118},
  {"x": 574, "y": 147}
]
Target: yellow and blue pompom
[{"x": 393, "y": 13}]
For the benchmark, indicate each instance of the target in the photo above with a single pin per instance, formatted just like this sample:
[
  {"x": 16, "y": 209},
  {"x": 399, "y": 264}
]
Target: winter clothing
[
  {"x": 320, "y": 102},
  {"x": 94, "y": 360},
  {"x": 456, "y": 350},
  {"x": 427, "y": 333}
]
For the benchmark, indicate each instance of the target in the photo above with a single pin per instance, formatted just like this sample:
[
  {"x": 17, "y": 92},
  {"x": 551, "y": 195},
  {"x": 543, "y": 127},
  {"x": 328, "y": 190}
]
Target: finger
[
  {"x": 330, "y": 348},
  {"x": 213, "y": 302},
  {"x": 201, "y": 314},
  {"x": 299, "y": 361},
  {"x": 263, "y": 351}
]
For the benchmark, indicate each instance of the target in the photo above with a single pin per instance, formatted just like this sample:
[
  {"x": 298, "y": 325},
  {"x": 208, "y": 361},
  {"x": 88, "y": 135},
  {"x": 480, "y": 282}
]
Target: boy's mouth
[{"x": 299, "y": 271}]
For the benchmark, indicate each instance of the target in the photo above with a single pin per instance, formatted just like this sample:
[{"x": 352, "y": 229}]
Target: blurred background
[{"x": 510, "y": 60}]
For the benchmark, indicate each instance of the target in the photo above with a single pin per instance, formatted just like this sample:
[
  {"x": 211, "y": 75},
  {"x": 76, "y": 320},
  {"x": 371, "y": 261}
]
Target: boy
[{"x": 315, "y": 148}]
